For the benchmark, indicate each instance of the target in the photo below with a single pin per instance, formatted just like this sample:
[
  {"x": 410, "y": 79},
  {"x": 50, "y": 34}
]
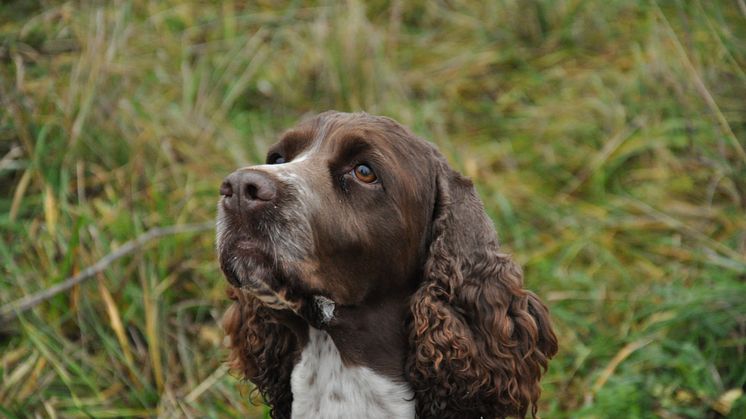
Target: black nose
[{"x": 247, "y": 190}]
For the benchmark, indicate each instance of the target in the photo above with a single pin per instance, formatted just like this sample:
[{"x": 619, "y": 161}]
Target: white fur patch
[{"x": 323, "y": 387}]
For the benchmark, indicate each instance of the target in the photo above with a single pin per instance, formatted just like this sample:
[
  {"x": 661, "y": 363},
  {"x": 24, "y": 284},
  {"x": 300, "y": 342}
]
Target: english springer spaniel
[{"x": 368, "y": 282}]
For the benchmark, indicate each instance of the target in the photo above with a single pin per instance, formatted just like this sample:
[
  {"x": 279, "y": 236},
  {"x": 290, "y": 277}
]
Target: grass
[{"x": 606, "y": 138}]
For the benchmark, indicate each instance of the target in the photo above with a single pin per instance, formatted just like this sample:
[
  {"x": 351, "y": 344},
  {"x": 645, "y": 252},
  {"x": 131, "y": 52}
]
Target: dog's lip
[
  {"x": 246, "y": 244},
  {"x": 242, "y": 246}
]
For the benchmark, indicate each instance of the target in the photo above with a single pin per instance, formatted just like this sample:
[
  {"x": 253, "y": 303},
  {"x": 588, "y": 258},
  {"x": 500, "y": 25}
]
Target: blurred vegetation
[{"x": 606, "y": 139}]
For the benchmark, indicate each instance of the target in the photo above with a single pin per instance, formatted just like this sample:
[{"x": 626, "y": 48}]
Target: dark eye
[
  {"x": 364, "y": 173},
  {"x": 275, "y": 158}
]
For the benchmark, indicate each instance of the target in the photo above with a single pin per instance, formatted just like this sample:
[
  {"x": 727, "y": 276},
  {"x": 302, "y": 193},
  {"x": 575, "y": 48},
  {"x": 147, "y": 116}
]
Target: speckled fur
[{"x": 323, "y": 387}]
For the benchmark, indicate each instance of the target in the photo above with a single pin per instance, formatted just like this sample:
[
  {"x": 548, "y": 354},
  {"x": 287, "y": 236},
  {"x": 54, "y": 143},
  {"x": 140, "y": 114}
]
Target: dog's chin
[
  {"x": 253, "y": 276},
  {"x": 246, "y": 277},
  {"x": 275, "y": 291},
  {"x": 242, "y": 261},
  {"x": 231, "y": 277}
]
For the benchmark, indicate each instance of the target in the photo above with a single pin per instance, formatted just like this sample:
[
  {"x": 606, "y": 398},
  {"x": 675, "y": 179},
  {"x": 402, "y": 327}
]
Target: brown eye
[{"x": 365, "y": 174}]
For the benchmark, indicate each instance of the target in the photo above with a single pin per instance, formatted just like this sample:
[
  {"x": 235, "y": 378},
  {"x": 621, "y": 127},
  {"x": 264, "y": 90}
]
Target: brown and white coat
[{"x": 368, "y": 281}]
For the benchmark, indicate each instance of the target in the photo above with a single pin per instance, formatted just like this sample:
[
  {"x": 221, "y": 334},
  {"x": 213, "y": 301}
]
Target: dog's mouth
[
  {"x": 248, "y": 266},
  {"x": 245, "y": 264},
  {"x": 247, "y": 245}
]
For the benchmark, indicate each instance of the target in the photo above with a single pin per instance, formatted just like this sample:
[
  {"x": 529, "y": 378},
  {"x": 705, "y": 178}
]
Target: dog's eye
[
  {"x": 275, "y": 158},
  {"x": 364, "y": 173}
]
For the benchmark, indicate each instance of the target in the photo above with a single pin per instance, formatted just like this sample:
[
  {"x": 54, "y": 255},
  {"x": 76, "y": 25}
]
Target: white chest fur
[{"x": 323, "y": 387}]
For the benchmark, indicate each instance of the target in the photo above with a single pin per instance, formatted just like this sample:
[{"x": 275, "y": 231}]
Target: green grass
[{"x": 606, "y": 139}]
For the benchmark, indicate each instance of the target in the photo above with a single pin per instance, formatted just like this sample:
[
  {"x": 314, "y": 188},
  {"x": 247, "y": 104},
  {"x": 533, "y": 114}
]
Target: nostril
[
  {"x": 251, "y": 191},
  {"x": 226, "y": 189},
  {"x": 258, "y": 187}
]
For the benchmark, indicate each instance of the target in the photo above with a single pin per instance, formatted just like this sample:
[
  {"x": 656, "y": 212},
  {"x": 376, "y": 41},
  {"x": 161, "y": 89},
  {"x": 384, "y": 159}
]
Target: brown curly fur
[
  {"x": 261, "y": 350},
  {"x": 478, "y": 342}
]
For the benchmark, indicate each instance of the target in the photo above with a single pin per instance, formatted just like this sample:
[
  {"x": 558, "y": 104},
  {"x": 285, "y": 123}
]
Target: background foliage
[{"x": 606, "y": 139}]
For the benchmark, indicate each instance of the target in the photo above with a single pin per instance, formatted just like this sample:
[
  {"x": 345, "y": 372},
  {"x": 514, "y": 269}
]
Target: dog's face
[{"x": 340, "y": 210}]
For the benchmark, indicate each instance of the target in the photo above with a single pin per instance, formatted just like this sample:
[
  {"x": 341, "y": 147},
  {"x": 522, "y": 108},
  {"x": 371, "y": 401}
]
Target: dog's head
[{"x": 340, "y": 211}]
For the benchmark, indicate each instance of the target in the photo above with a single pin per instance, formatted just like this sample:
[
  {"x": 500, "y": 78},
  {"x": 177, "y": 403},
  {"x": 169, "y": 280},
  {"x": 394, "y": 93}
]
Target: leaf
[
  {"x": 725, "y": 403},
  {"x": 51, "y": 212}
]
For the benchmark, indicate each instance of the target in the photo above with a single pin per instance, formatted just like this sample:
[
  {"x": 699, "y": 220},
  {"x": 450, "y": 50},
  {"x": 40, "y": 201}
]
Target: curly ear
[
  {"x": 261, "y": 350},
  {"x": 479, "y": 341}
]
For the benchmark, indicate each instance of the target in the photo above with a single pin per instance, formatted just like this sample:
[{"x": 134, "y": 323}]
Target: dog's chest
[{"x": 323, "y": 387}]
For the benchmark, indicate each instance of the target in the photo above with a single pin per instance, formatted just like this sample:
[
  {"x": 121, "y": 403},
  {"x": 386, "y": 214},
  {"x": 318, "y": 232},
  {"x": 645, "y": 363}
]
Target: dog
[{"x": 368, "y": 281}]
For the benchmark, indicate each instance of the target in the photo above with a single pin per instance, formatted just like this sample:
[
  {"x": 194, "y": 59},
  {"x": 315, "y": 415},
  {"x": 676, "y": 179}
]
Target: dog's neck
[
  {"x": 374, "y": 336},
  {"x": 324, "y": 386},
  {"x": 353, "y": 366}
]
